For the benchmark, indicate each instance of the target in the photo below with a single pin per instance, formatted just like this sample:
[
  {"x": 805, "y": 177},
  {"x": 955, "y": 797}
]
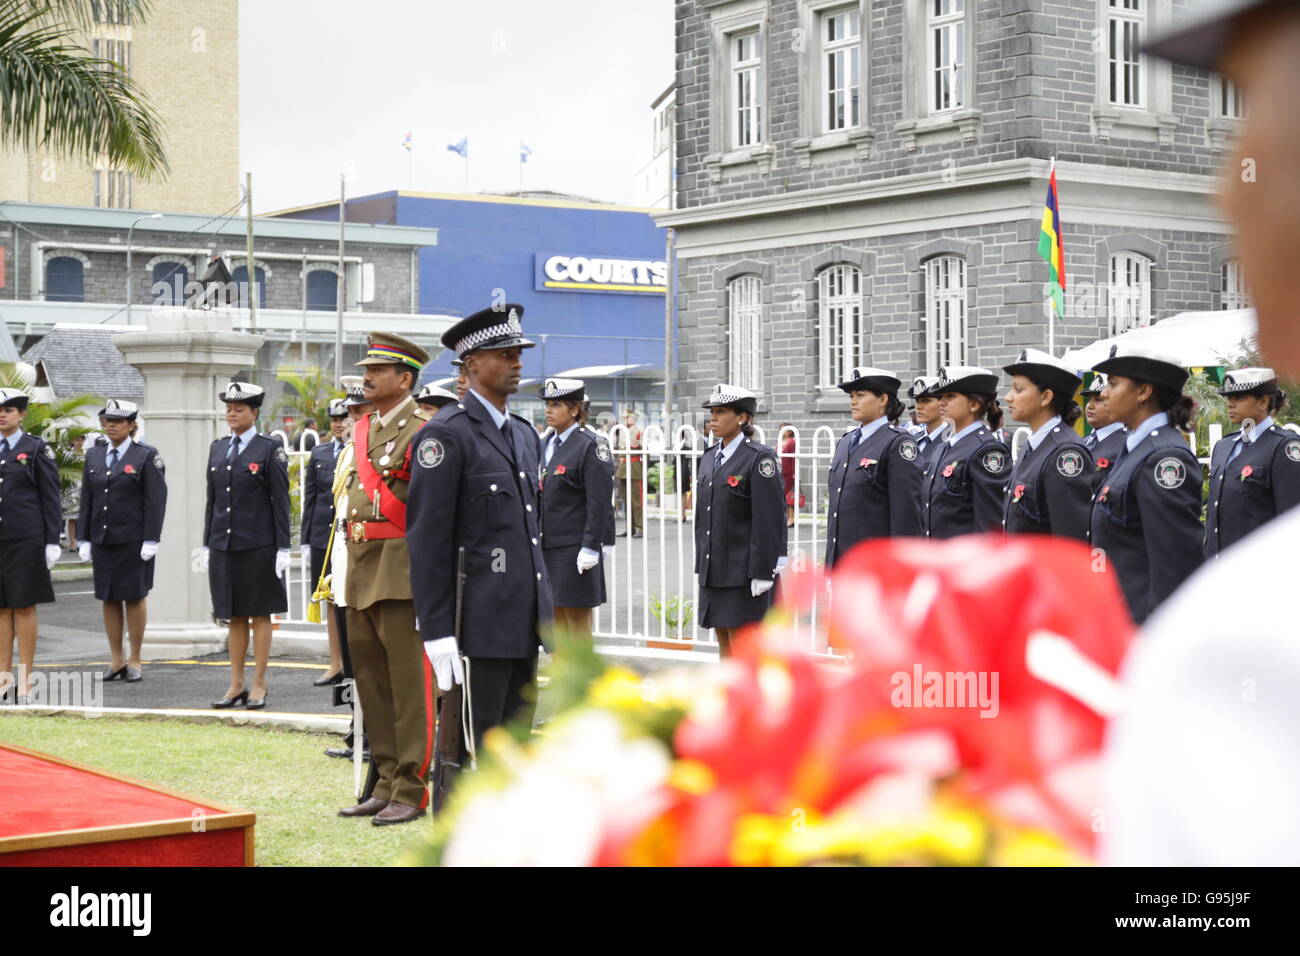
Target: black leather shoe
[
  {"x": 327, "y": 680},
  {"x": 256, "y": 703},
  {"x": 227, "y": 702},
  {"x": 133, "y": 675},
  {"x": 343, "y": 753},
  {"x": 119, "y": 674},
  {"x": 620, "y": 534}
]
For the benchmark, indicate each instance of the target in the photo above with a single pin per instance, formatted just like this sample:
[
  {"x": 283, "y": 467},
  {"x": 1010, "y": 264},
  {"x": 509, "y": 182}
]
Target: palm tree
[
  {"x": 59, "y": 423},
  {"x": 308, "y": 395},
  {"x": 55, "y": 96}
]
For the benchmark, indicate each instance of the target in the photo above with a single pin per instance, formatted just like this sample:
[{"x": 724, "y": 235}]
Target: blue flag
[
  {"x": 524, "y": 152},
  {"x": 462, "y": 147}
]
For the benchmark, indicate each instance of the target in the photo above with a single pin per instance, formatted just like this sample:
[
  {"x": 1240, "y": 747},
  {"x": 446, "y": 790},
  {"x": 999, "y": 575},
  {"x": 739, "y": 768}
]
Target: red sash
[{"x": 390, "y": 506}]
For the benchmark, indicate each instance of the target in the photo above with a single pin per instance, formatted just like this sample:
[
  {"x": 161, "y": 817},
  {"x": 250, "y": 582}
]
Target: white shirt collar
[
  {"x": 243, "y": 440},
  {"x": 14, "y": 439},
  {"x": 1037, "y": 437},
  {"x": 121, "y": 449},
  {"x": 933, "y": 433},
  {"x": 567, "y": 432},
  {"x": 1105, "y": 431},
  {"x": 869, "y": 429},
  {"x": 498, "y": 417},
  {"x": 730, "y": 447},
  {"x": 1258, "y": 430},
  {"x": 1158, "y": 420},
  {"x": 958, "y": 436}
]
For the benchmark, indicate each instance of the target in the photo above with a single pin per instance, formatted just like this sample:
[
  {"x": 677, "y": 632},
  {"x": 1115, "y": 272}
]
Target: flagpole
[{"x": 1051, "y": 314}]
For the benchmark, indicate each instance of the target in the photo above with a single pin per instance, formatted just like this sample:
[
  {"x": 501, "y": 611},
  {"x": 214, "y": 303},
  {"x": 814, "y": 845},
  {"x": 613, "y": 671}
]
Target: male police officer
[
  {"x": 392, "y": 675},
  {"x": 474, "y": 486}
]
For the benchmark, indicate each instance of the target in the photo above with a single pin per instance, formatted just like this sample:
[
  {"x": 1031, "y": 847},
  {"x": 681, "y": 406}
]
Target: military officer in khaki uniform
[{"x": 393, "y": 676}]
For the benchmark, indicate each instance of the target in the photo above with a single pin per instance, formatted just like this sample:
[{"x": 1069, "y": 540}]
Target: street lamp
[{"x": 130, "y": 285}]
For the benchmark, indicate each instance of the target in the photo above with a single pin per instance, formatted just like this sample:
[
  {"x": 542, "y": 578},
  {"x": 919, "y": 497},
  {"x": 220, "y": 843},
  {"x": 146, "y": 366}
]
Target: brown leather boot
[
  {"x": 367, "y": 808},
  {"x": 396, "y": 813}
]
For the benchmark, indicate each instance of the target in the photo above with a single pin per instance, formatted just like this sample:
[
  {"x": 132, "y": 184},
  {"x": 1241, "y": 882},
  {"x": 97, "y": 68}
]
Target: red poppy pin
[
  {"x": 865, "y": 462},
  {"x": 1247, "y": 472},
  {"x": 947, "y": 472},
  {"x": 129, "y": 469},
  {"x": 1103, "y": 462},
  {"x": 734, "y": 481},
  {"x": 560, "y": 469},
  {"x": 22, "y": 456},
  {"x": 1020, "y": 490},
  {"x": 254, "y": 467}
]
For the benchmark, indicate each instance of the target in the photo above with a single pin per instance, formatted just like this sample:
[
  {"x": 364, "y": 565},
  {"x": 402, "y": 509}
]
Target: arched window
[
  {"x": 65, "y": 280},
  {"x": 168, "y": 283},
  {"x": 841, "y": 324},
  {"x": 744, "y": 323},
  {"x": 240, "y": 277},
  {"x": 1129, "y": 293},
  {"x": 945, "y": 313},
  {"x": 322, "y": 290}
]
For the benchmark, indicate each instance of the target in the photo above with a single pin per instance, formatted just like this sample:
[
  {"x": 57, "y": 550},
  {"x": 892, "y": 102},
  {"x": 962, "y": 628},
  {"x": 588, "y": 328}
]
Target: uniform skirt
[
  {"x": 243, "y": 583},
  {"x": 24, "y": 578},
  {"x": 732, "y": 607},
  {"x": 120, "y": 575},
  {"x": 568, "y": 587}
]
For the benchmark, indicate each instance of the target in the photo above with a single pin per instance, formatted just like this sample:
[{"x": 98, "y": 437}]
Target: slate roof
[
  {"x": 84, "y": 361},
  {"x": 8, "y": 351}
]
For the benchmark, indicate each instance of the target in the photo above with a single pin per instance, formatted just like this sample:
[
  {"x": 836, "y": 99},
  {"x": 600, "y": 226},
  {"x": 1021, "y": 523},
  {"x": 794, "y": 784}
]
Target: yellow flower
[
  {"x": 1036, "y": 848},
  {"x": 691, "y": 776},
  {"x": 617, "y": 689}
]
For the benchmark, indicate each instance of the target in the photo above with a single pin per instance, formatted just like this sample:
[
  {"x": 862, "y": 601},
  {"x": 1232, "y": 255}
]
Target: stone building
[{"x": 863, "y": 183}]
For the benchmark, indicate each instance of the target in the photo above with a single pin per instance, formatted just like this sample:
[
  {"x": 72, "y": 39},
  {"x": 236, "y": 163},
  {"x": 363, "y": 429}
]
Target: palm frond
[{"x": 81, "y": 13}]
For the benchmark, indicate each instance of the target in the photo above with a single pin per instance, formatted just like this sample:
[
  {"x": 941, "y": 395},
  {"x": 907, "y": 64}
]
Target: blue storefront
[{"x": 591, "y": 278}]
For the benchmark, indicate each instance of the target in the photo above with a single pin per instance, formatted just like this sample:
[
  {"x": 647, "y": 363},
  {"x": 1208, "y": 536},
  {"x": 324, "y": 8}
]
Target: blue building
[{"x": 591, "y": 277}]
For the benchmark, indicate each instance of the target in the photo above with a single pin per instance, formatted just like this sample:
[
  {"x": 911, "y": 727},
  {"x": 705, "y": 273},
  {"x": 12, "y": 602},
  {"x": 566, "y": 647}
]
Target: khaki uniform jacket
[
  {"x": 631, "y": 442},
  {"x": 381, "y": 570}
]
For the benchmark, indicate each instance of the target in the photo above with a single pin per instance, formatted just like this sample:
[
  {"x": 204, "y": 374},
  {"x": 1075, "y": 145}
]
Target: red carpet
[{"x": 57, "y": 813}]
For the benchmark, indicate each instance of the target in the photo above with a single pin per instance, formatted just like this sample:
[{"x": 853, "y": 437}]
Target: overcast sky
[{"x": 327, "y": 85}]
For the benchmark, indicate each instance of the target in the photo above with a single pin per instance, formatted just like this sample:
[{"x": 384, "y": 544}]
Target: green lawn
[{"x": 282, "y": 776}]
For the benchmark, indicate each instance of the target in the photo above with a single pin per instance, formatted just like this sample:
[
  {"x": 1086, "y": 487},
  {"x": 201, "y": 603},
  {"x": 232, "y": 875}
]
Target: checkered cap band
[
  {"x": 561, "y": 387},
  {"x": 240, "y": 391},
  {"x": 726, "y": 394},
  {"x": 504, "y": 330},
  {"x": 337, "y": 408},
  {"x": 116, "y": 408},
  {"x": 1247, "y": 379}
]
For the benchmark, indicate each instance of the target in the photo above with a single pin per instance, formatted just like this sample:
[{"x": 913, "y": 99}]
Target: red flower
[
  {"x": 1103, "y": 462},
  {"x": 129, "y": 469},
  {"x": 22, "y": 456},
  {"x": 1104, "y": 492},
  {"x": 734, "y": 481},
  {"x": 1247, "y": 472},
  {"x": 1020, "y": 490},
  {"x": 865, "y": 462},
  {"x": 947, "y": 472},
  {"x": 560, "y": 469},
  {"x": 254, "y": 467}
]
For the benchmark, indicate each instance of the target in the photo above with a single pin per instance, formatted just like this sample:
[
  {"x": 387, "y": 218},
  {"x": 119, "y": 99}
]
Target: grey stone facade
[{"x": 902, "y": 187}]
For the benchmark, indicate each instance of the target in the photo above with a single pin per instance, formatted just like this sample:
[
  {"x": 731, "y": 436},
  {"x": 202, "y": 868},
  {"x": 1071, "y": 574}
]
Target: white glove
[
  {"x": 306, "y": 555},
  {"x": 587, "y": 559},
  {"x": 444, "y": 655},
  {"x": 759, "y": 588},
  {"x": 52, "y": 552},
  {"x": 608, "y": 551},
  {"x": 281, "y": 562},
  {"x": 83, "y": 551},
  {"x": 148, "y": 549},
  {"x": 203, "y": 560}
]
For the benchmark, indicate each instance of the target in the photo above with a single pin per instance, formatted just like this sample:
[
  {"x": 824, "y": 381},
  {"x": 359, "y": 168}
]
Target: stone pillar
[{"x": 186, "y": 357}]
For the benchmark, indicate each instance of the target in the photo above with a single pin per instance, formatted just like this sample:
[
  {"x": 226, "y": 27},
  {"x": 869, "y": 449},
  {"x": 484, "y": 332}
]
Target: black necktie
[
  {"x": 857, "y": 437},
  {"x": 234, "y": 446},
  {"x": 718, "y": 459},
  {"x": 112, "y": 458},
  {"x": 4, "y": 448},
  {"x": 506, "y": 433}
]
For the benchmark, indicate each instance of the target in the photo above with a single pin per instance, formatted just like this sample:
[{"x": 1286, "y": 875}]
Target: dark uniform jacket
[
  {"x": 468, "y": 489},
  {"x": 30, "y": 503},
  {"x": 1257, "y": 486},
  {"x": 1147, "y": 519},
  {"x": 248, "y": 498},
  {"x": 1050, "y": 488},
  {"x": 317, "y": 496},
  {"x": 739, "y": 516},
  {"x": 873, "y": 490},
  {"x": 1104, "y": 453},
  {"x": 124, "y": 505},
  {"x": 577, "y": 489},
  {"x": 961, "y": 487},
  {"x": 930, "y": 443}
]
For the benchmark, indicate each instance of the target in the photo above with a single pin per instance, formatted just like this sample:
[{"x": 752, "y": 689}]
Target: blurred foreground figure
[{"x": 1204, "y": 765}]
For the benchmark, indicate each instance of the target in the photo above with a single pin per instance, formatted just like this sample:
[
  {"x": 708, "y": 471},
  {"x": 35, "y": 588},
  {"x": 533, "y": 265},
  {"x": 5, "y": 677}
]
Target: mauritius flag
[{"x": 1050, "y": 247}]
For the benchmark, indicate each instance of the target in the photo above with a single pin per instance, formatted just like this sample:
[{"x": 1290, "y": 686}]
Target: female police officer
[
  {"x": 246, "y": 538},
  {"x": 30, "y": 518},
  {"x": 576, "y": 507},
  {"x": 123, "y": 500},
  {"x": 961, "y": 487},
  {"x": 1107, "y": 436},
  {"x": 740, "y": 533},
  {"x": 875, "y": 473},
  {"x": 1255, "y": 472},
  {"x": 1050, "y": 488},
  {"x": 1147, "y": 515}
]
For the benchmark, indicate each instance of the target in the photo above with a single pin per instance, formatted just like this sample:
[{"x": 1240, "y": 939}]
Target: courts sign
[{"x": 562, "y": 272}]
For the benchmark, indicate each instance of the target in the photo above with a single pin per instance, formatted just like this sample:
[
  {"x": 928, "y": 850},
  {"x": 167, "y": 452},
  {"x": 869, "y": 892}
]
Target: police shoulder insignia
[
  {"x": 1170, "y": 473},
  {"x": 1293, "y": 450},
  {"x": 430, "y": 453},
  {"x": 767, "y": 467},
  {"x": 907, "y": 448},
  {"x": 993, "y": 461},
  {"x": 280, "y": 455},
  {"x": 158, "y": 462},
  {"x": 1069, "y": 463},
  {"x": 49, "y": 451},
  {"x": 602, "y": 451}
]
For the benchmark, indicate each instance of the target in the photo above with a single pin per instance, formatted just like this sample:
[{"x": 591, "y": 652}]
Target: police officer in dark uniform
[
  {"x": 740, "y": 532},
  {"x": 1147, "y": 515},
  {"x": 1106, "y": 439},
  {"x": 317, "y": 516},
  {"x": 474, "y": 485},
  {"x": 931, "y": 429},
  {"x": 875, "y": 474},
  {"x": 246, "y": 538},
  {"x": 1254, "y": 472},
  {"x": 31, "y": 516},
  {"x": 433, "y": 398},
  {"x": 123, "y": 501},
  {"x": 961, "y": 487},
  {"x": 577, "y": 511},
  {"x": 1050, "y": 487}
]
